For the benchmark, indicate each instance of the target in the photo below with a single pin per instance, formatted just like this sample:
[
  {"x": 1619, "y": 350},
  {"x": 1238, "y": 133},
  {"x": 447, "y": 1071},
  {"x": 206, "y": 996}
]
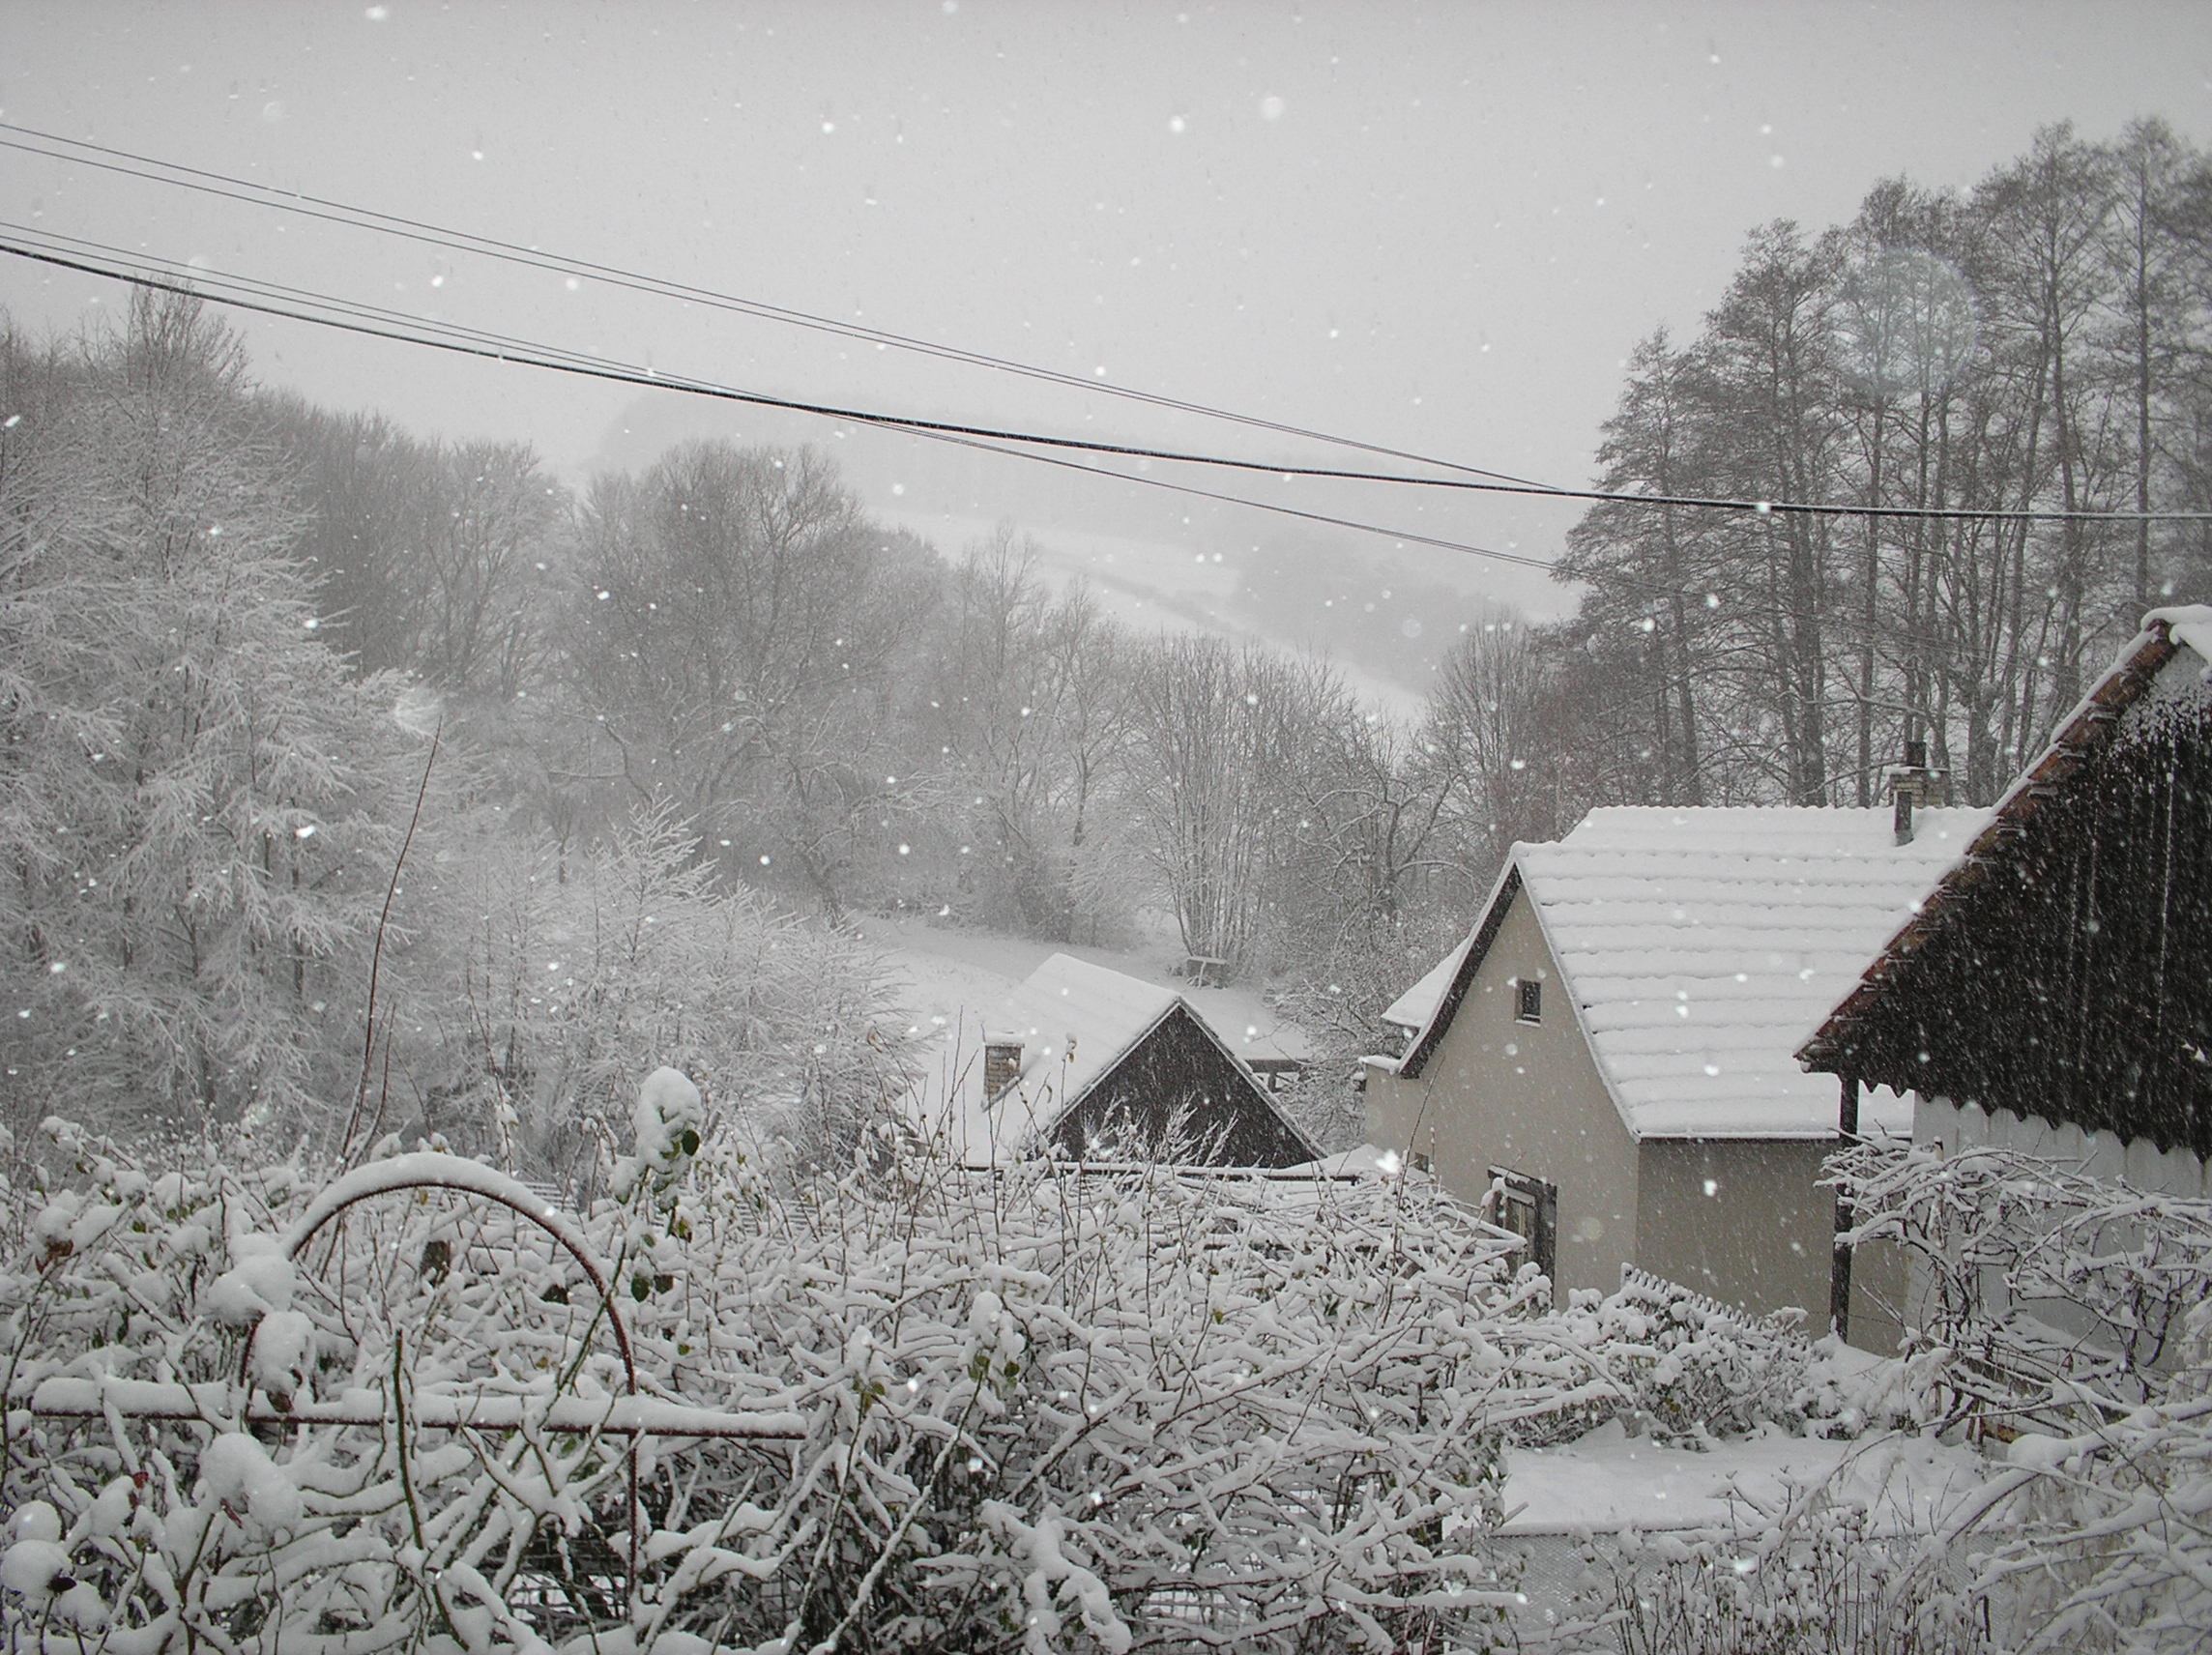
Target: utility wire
[
  {"x": 1473, "y": 480},
  {"x": 368, "y": 218},
  {"x": 371, "y": 321},
  {"x": 473, "y": 343},
  {"x": 400, "y": 326}
]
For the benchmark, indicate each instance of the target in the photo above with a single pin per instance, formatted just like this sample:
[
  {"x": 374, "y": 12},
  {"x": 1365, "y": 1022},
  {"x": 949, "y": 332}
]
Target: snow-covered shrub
[
  {"x": 1039, "y": 1410},
  {"x": 1655, "y": 1356},
  {"x": 1711, "y": 1371},
  {"x": 158, "y": 1334},
  {"x": 582, "y": 972},
  {"x": 1068, "y": 1411},
  {"x": 1813, "y": 1576},
  {"x": 1031, "y": 1409},
  {"x": 2073, "y": 1317},
  {"x": 2102, "y": 1539},
  {"x": 2043, "y": 1296}
]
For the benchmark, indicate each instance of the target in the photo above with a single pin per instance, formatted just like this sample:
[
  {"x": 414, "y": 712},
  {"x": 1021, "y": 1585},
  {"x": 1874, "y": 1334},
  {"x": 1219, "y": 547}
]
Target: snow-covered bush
[
  {"x": 579, "y": 972},
  {"x": 1654, "y": 1355},
  {"x": 1031, "y": 1409},
  {"x": 1063, "y": 1411},
  {"x": 160, "y": 1342},
  {"x": 2072, "y": 1317},
  {"x": 1811, "y": 1575},
  {"x": 1711, "y": 1371},
  {"x": 1032, "y": 1412},
  {"x": 2040, "y": 1295}
]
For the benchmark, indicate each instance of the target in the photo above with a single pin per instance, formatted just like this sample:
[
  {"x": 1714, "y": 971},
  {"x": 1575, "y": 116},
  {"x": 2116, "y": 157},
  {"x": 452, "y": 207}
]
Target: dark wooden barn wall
[
  {"x": 2072, "y": 981},
  {"x": 1179, "y": 1097}
]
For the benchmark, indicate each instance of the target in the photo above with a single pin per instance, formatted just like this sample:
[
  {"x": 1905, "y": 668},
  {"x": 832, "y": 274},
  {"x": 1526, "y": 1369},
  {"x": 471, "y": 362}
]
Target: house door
[{"x": 1529, "y": 1207}]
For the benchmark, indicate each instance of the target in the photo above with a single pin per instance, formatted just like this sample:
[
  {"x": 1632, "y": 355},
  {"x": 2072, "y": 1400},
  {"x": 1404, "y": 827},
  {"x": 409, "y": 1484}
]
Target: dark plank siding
[
  {"x": 1177, "y": 1096},
  {"x": 2069, "y": 978}
]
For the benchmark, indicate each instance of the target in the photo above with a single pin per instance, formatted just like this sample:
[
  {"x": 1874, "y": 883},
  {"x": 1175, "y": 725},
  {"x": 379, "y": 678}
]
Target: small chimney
[
  {"x": 1907, "y": 786},
  {"x": 1002, "y": 1064}
]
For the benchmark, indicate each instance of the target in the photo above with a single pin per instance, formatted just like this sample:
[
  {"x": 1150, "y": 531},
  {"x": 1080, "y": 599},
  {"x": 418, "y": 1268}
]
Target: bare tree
[
  {"x": 1226, "y": 738},
  {"x": 732, "y": 636},
  {"x": 1029, "y": 712},
  {"x": 430, "y": 559},
  {"x": 2038, "y": 344}
]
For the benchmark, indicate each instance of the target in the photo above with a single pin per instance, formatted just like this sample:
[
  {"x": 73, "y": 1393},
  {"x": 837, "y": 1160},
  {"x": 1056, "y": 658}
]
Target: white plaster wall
[
  {"x": 1745, "y": 1221},
  {"x": 1498, "y": 1092},
  {"x": 2093, "y": 1155}
]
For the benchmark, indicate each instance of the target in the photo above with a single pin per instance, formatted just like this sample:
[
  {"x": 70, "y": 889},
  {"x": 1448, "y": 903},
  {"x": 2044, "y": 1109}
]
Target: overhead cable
[
  {"x": 368, "y": 218},
  {"x": 364, "y": 320},
  {"x": 375, "y": 322},
  {"x": 1473, "y": 480}
]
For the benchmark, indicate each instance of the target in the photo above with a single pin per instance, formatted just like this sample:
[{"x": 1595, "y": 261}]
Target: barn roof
[
  {"x": 2139, "y": 673},
  {"x": 1075, "y": 1021},
  {"x": 1700, "y": 945}
]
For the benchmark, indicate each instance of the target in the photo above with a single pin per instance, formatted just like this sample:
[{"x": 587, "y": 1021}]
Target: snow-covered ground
[
  {"x": 1607, "y": 1481},
  {"x": 944, "y": 971}
]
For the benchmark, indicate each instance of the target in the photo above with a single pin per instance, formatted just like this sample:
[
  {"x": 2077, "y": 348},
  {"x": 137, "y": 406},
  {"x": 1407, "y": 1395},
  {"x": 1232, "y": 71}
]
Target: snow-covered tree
[
  {"x": 731, "y": 644},
  {"x": 566, "y": 975},
  {"x": 1028, "y": 718},
  {"x": 194, "y": 846},
  {"x": 433, "y": 559},
  {"x": 1226, "y": 739}
]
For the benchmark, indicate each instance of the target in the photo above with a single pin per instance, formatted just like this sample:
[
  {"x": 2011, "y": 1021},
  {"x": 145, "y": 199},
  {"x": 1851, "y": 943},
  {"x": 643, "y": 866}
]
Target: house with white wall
[{"x": 1614, "y": 1045}]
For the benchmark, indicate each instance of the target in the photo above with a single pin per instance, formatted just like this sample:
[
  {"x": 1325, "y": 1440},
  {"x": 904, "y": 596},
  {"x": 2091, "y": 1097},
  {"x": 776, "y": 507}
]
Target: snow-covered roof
[
  {"x": 2186, "y": 623},
  {"x": 1700, "y": 947},
  {"x": 2147, "y": 660},
  {"x": 1368, "y": 1160},
  {"x": 1419, "y": 1004},
  {"x": 2170, "y": 658},
  {"x": 945, "y": 968},
  {"x": 1074, "y": 1019}
]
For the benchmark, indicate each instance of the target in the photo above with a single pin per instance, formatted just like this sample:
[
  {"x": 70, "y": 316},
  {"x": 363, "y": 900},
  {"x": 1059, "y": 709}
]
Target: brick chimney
[{"x": 1002, "y": 1064}]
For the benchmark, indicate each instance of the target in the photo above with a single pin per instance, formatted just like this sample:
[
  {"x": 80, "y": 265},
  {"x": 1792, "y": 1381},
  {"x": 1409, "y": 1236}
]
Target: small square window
[{"x": 1529, "y": 1000}]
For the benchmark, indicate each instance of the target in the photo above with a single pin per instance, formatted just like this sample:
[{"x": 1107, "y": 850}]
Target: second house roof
[{"x": 1074, "y": 1022}]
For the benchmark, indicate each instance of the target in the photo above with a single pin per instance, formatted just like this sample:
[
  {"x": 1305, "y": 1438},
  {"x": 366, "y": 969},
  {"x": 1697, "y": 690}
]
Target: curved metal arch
[{"x": 585, "y": 1262}]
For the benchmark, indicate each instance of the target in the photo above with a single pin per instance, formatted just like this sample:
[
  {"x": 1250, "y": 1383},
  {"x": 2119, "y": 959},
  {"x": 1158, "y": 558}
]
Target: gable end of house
[
  {"x": 1176, "y": 1090},
  {"x": 1455, "y": 992}
]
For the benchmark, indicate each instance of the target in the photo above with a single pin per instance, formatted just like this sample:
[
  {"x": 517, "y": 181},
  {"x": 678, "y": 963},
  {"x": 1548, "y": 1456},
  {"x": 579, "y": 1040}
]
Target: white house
[{"x": 1614, "y": 1042}]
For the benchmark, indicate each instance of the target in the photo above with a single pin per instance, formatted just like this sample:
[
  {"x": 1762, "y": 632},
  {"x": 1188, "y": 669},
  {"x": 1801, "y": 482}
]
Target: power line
[
  {"x": 391, "y": 326},
  {"x": 472, "y": 342},
  {"x": 1491, "y": 483},
  {"x": 251, "y": 194},
  {"x": 1405, "y": 535}
]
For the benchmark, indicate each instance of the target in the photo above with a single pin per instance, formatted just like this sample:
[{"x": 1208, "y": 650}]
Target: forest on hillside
[{"x": 356, "y": 782}]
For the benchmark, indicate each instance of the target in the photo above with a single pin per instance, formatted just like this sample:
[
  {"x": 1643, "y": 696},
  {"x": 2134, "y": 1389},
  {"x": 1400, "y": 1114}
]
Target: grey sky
[{"x": 1435, "y": 227}]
